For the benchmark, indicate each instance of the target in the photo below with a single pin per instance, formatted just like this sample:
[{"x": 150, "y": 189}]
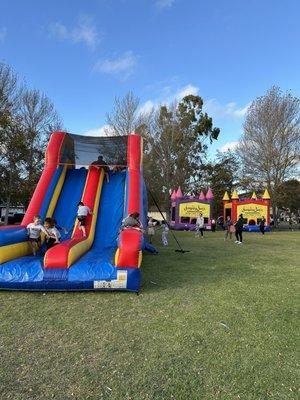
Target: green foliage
[
  {"x": 176, "y": 145},
  {"x": 220, "y": 176},
  {"x": 289, "y": 195},
  {"x": 26, "y": 119}
]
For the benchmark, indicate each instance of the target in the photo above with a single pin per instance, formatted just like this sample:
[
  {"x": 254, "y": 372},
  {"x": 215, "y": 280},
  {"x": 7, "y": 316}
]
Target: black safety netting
[{"x": 107, "y": 150}]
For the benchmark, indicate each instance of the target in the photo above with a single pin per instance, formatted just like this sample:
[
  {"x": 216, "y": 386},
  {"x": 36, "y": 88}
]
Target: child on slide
[
  {"x": 82, "y": 213},
  {"x": 34, "y": 230},
  {"x": 52, "y": 233},
  {"x": 132, "y": 221}
]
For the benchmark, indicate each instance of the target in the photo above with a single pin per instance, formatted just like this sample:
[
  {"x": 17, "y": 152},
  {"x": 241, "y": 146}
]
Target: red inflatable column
[{"x": 52, "y": 160}]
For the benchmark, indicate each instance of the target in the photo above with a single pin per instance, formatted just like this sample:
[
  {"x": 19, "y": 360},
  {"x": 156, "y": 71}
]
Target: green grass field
[{"x": 218, "y": 322}]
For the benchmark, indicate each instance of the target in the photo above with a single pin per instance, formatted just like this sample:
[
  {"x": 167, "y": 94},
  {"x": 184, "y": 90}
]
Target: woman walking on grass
[
  {"x": 239, "y": 230},
  {"x": 262, "y": 225},
  {"x": 199, "y": 226}
]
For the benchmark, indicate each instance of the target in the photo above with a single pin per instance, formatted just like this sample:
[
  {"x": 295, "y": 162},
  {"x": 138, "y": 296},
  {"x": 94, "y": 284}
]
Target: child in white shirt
[
  {"x": 52, "y": 233},
  {"x": 34, "y": 230},
  {"x": 82, "y": 213}
]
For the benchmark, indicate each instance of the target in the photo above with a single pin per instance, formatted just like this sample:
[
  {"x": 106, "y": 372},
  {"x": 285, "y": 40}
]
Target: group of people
[
  {"x": 236, "y": 228},
  {"x": 229, "y": 227},
  {"x": 51, "y": 229},
  {"x": 163, "y": 226}
]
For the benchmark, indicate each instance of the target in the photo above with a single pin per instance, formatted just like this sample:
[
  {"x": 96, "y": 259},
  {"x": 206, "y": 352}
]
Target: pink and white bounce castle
[{"x": 185, "y": 209}]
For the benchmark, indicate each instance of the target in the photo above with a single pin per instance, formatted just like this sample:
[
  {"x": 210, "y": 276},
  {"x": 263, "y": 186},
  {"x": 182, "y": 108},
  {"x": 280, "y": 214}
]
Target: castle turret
[
  {"x": 173, "y": 195},
  {"x": 226, "y": 197},
  {"x": 179, "y": 193},
  {"x": 266, "y": 195},
  {"x": 234, "y": 195},
  {"x": 202, "y": 196},
  {"x": 209, "y": 194}
]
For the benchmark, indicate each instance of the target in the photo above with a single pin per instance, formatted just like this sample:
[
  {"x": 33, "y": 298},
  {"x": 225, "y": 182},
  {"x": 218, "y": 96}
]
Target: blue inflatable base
[
  {"x": 128, "y": 279},
  {"x": 255, "y": 228}
]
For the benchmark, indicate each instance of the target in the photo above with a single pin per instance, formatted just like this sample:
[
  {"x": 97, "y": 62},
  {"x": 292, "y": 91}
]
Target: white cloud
[
  {"x": 229, "y": 110},
  {"x": 84, "y": 32},
  {"x": 3, "y": 32},
  {"x": 102, "y": 131},
  {"x": 213, "y": 107},
  {"x": 228, "y": 146},
  {"x": 169, "y": 97},
  {"x": 122, "y": 66},
  {"x": 147, "y": 107},
  {"x": 185, "y": 91},
  {"x": 161, "y": 4}
]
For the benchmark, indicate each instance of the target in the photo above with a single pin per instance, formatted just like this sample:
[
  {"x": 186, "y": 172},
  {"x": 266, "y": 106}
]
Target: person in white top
[
  {"x": 52, "y": 233},
  {"x": 34, "y": 230},
  {"x": 82, "y": 213},
  {"x": 199, "y": 225}
]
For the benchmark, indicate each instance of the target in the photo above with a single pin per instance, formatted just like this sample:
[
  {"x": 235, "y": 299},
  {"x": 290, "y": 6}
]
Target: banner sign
[
  {"x": 252, "y": 211},
  {"x": 193, "y": 209}
]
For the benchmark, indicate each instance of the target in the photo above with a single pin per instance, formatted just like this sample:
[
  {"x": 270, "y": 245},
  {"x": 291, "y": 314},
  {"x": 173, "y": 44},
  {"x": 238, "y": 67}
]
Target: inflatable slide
[{"x": 76, "y": 169}]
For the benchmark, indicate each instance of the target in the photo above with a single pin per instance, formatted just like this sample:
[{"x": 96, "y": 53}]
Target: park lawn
[{"x": 218, "y": 322}]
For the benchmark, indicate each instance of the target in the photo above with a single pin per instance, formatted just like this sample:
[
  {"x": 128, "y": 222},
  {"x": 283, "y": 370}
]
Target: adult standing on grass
[
  {"x": 262, "y": 225},
  {"x": 199, "y": 226},
  {"x": 239, "y": 229}
]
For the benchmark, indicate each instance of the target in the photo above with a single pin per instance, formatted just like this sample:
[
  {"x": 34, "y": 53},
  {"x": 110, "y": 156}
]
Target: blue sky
[{"x": 84, "y": 53}]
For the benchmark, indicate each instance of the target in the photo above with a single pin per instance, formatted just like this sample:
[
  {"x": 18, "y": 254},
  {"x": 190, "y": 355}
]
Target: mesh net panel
[{"x": 110, "y": 150}]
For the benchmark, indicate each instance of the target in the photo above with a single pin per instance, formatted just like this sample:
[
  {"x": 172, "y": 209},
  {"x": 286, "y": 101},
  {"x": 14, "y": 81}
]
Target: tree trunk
[
  {"x": 8, "y": 196},
  {"x": 7, "y": 205}
]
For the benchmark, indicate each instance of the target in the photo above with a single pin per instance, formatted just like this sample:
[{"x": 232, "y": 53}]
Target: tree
[
  {"x": 125, "y": 117},
  {"x": 220, "y": 175},
  {"x": 9, "y": 93},
  {"x": 176, "y": 143},
  {"x": 10, "y": 141},
  {"x": 270, "y": 145},
  {"x": 289, "y": 196},
  {"x": 26, "y": 119},
  {"x": 38, "y": 119},
  {"x": 175, "y": 136},
  {"x": 12, "y": 154}
]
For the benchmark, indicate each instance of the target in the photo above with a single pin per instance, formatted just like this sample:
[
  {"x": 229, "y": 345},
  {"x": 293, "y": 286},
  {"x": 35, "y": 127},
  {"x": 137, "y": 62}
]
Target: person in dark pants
[
  {"x": 262, "y": 225},
  {"x": 239, "y": 229}
]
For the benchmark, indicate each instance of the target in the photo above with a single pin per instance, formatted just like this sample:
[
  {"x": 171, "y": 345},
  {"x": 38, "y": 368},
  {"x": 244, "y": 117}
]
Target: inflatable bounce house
[
  {"x": 103, "y": 260},
  {"x": 186, "y": 209},
  {"x": 253, "y": 209}
]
